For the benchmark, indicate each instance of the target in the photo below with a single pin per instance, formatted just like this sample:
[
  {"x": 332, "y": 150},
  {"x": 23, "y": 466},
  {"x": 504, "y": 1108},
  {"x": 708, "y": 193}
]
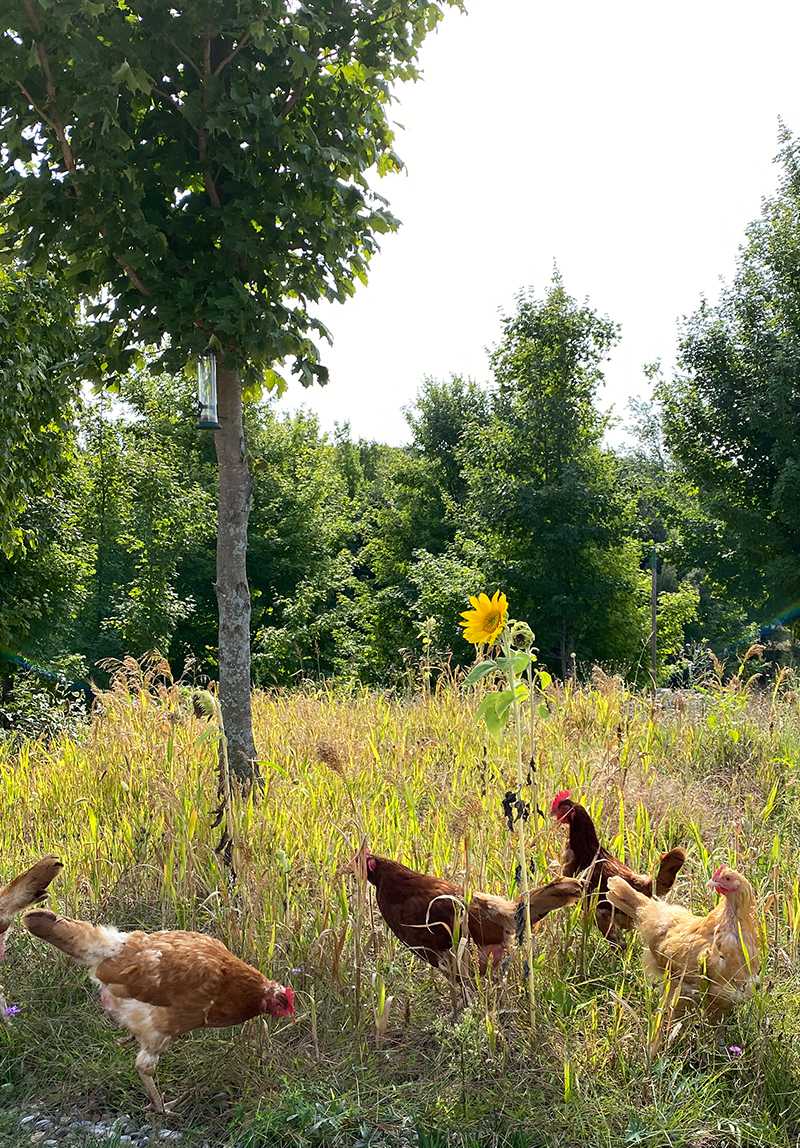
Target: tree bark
[{"x": 233, "y": 592}]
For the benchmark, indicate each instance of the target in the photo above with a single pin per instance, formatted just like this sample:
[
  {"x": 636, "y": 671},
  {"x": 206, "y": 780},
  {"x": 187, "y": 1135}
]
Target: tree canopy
[
  {"x": 200, "y": 171},
  {"x": 733, "y": 414}
]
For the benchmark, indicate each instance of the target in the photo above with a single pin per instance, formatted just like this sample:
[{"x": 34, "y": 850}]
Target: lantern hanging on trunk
[{"x": 207, "y": 392}]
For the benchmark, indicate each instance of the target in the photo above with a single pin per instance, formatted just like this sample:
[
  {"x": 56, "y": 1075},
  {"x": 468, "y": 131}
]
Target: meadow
[{"x": 376, "y": 1057}]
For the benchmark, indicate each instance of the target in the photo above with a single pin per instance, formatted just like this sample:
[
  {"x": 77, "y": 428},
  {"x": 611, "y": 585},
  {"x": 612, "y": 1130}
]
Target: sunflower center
[{"x": 492, "y": 620}]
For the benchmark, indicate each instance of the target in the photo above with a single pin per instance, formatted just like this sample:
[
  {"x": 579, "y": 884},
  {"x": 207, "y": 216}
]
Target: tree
[
  {"x": 696, "y": 550},
  {"x": 544, "y": 494},
  {"x": 732, "y": 417},
  {"x": 199, "y": 171},
  {"x": 38, "y": 393},
  {"x": 441, "y": 418}
]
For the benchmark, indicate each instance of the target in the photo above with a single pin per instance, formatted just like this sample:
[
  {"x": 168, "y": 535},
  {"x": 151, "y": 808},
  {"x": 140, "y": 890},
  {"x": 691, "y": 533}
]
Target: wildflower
[
  {"x": 12, "y": 1010},
  {"x": 735, "y": 1050},
  {"x": 485, "y": 622}
]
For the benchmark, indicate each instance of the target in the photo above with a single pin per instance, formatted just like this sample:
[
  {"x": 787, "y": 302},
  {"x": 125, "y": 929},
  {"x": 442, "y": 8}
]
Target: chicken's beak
[
  {"x": 712, "y": 885},
  {"x": 355, "y": 866}
]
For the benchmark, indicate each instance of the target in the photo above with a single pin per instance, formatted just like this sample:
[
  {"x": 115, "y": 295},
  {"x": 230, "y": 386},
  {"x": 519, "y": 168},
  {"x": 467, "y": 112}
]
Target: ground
[{"x": 375, "y": 1057}]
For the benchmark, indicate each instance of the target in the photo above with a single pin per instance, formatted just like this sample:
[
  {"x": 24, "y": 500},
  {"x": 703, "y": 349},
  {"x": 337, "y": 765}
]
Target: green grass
[{"x": 129, "y": 808}]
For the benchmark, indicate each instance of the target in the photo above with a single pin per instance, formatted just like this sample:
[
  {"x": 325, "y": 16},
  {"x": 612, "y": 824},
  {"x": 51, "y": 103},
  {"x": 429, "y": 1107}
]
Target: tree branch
[
  {"x": 188, "y": 59},
  {"x": 55, "y": 120},
  {"x": 293, "y": 99},
  {"x": 245, "y": 40},
  {"x": 202, "y": 133},
  {"x": 208, "y": 179},
  {"x": 132, "y": 275},
  {"x": 39, "y": 111}
]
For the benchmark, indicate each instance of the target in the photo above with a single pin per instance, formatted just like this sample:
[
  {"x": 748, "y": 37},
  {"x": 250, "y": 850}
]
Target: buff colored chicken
[
  {"x": 161, "y": 985},
  {"x": 713, "y": 959}
]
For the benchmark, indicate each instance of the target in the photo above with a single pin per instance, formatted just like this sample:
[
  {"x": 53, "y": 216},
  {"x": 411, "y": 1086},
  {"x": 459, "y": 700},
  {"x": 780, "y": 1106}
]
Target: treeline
[{"x": 362, "y": 555}]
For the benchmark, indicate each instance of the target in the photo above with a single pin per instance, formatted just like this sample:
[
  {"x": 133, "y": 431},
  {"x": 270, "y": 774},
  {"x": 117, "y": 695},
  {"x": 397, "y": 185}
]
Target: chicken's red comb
[
  {"x": 715, "y": 876},
  {"x": 562, "y": 795}
]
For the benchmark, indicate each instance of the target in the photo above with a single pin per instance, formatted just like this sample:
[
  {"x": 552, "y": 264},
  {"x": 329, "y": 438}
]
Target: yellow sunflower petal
[{"x": 485, "y": 622}]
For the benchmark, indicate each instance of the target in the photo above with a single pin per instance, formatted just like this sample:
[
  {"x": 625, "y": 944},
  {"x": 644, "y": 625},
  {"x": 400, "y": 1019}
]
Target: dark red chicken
[
  {"x": 585, "y": 855},
  {"x": 421, "y": 910}
]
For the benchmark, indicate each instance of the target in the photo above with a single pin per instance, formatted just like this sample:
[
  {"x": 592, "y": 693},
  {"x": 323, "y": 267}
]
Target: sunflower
[{"x": 485, "y": 622}]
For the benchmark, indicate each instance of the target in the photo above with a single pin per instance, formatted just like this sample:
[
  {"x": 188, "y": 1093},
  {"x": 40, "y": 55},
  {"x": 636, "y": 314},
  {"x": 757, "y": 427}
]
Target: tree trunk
[
  {"x": 233, "y": 592},
  {"x": 654, "y": 618},
  {"x": 567, "y": 653}
]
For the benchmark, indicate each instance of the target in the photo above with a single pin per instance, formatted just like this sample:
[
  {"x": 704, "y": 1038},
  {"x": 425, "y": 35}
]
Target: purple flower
[
  {"x": 735, "y": 1050},
  {"x": 12, "y": 1010}
]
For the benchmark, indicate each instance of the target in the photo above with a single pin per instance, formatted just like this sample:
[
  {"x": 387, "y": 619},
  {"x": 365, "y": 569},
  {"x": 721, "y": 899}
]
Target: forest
[{"x": 361, "y": 554}]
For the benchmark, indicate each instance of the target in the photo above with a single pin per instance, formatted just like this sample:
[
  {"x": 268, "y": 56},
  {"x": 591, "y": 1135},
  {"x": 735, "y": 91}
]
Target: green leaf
[
  {"x": 494, "y": 714},
  {"x": 124, "y": 75},
  {"x": 518, "y": 662},
  {"x": 275, "y": 383},
  {"x": 480, "y": 671},
  {"x": 495, "y": 708},
  {"x": 545, "y": 680}
]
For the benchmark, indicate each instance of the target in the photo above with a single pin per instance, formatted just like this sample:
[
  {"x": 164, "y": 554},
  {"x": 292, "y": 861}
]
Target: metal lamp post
[{"x": 207, "y": 392}]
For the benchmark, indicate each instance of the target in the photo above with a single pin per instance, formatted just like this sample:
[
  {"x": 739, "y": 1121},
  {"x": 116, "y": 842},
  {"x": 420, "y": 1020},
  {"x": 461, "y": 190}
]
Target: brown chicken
[
  {"x": 27, "y": 889},
  {"x": 421, "y": 910},
  {"x": 161, "y": 985},
  {"x": 584, "y": 854},
  {"x": 713, "y": 959}
]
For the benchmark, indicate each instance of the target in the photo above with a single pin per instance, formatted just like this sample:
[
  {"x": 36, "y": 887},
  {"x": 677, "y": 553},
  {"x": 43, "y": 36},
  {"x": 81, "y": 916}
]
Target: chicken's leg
[
  {"x": 604, "y": 916},
  {"x": 146, "y": 1063}
]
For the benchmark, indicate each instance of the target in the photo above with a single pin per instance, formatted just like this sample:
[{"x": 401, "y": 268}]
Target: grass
[{"x": 375, "y": 1058}]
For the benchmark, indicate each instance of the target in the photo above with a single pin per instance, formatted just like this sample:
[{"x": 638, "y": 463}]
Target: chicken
[
  {"x": 161, "y": 985},
  {"x": 25, "y": 890},
  {"x": 585, "y": 854},
  {"x": 714, "y": 958},
  {"x": 421, "y": 910}
]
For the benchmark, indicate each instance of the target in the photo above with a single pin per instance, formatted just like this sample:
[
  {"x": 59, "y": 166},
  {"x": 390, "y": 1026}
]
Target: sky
[{"x": 628, "y": 142}]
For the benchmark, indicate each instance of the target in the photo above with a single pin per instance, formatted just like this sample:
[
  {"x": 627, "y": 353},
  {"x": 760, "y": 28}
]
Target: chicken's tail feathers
[
  {"x": 625, "y": 898},
  {"x": 554, "y": 895},
  {"x": 86, "y": 943},
  {"x": 29, "y": 888},
  {"x": 670, "y": 865}
]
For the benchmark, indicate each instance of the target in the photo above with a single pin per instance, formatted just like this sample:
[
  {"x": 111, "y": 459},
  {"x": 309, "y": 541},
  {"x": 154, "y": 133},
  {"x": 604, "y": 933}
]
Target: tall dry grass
[{"x": 129, "y": 807}]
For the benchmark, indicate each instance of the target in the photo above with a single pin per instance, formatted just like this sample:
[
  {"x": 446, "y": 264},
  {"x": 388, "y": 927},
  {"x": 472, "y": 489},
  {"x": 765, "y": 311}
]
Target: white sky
[{"x": 629, "y": 141}]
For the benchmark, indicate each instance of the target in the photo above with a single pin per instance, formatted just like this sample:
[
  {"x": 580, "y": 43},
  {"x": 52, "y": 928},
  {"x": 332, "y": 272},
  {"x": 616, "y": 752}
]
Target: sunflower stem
[{"x": 521, "y": 842}]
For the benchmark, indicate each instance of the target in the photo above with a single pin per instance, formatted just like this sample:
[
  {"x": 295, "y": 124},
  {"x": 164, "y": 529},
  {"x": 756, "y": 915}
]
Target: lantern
[{"x": 207, "y": 392}]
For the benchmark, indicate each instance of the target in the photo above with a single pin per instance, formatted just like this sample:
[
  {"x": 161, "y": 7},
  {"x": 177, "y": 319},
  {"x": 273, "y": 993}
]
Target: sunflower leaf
[
  {"x": 479, "y": 671},
  {"x": 544, "y": 679},
  {"x": 517, "y": 662},
  {"x": 495, "y": 708},
  {"x": 495, "y": 719}
]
